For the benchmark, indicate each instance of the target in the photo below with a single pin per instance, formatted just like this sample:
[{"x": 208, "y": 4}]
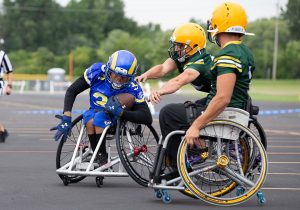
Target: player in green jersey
[
  {"x": 187, "y": 55},
  {"x": 232, "y": 68}
]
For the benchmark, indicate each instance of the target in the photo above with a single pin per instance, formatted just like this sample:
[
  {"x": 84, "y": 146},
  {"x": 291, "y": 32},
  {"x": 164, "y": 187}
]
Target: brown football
[{"x": 126, "y": 99}]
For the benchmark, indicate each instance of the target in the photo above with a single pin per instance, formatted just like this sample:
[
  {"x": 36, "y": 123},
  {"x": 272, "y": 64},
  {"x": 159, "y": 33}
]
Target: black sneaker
[
  {"x": 2, "y": 139},
  {"x": 102, "y": 159},
  {"x": 3, "y": 135}
]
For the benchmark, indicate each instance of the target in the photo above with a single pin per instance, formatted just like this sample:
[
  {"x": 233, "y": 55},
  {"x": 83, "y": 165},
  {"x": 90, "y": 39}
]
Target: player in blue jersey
[{"x": 106, "y": 80}]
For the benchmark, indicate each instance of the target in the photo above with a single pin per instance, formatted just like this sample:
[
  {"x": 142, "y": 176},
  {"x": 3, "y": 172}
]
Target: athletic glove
[
  {"x": 63, "y": 128},
  {"x": 114, "y": 107}
]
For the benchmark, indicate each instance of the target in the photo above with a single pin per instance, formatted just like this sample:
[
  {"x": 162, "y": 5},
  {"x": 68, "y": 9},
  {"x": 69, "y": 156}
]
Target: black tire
[
  {"x": 256, "y": 127},
  {"x": 138, "y": 165},
  {"x": 64, "y": 155}
]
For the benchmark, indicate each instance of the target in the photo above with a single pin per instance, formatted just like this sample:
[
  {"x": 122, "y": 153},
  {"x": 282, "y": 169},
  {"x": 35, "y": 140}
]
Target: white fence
[{"x": 39, "y": 85}]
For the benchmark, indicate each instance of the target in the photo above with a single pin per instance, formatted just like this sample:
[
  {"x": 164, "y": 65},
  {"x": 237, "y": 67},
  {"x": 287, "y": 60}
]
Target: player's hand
[
  {"x": 141, "y": 78},
  {"x": 63, "y": 128},
  {"x": 8, "y": 90},
  {"x": 114, "y": 107},
  {"x": 155, "y": 97},
  {"x": 192, "y": 135}
]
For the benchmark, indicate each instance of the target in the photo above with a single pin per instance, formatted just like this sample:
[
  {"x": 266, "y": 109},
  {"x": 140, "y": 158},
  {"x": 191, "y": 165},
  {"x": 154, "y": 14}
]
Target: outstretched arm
[
  {"x": 158, "y": 71},
  {"x": 174, "y": 84}
]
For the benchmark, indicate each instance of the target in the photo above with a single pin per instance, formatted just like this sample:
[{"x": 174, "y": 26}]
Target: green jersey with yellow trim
[
  {"x": 202, "y": 63},
  {"x": 236, "y": 58}
]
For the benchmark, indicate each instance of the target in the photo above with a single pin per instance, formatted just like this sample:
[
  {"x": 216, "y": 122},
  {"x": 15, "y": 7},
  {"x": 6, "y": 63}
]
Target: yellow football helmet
[
  {"x": 186, "y": 40},
  {"x": 228, "y": 17}
]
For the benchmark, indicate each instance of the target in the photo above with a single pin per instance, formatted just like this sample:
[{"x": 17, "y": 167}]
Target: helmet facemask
[
  {"x": 179, "y": 51},
  {"x": 118, "y": 78},
  {"x": 212, "y": 34}
]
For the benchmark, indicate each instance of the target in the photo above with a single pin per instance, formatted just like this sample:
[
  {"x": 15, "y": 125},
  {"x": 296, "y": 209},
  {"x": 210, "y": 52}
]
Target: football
[{"x": 126, "y": 99}]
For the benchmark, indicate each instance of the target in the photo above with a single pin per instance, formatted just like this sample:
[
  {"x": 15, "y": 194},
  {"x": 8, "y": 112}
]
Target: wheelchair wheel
[
  {"x": 258, "y": 130},
  {"x": 137, "y": 145},
  {"x": 66, "y": 148},
  {"x": 233, "y": 169}
]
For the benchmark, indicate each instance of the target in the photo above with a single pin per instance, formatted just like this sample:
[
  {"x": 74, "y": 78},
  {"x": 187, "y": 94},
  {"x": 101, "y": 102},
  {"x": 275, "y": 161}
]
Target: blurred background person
[{"x": 5, "y": 67}]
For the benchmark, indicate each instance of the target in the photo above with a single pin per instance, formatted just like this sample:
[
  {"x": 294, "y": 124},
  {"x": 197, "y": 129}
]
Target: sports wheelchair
[
  {"x": 75, "y": 158},
  {"x": 229, "y": 170}
]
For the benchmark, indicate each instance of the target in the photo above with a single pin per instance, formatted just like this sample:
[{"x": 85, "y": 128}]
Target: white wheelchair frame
[
  {"x": 114, "y": 166},
  {"x": 68, "y": 169}
]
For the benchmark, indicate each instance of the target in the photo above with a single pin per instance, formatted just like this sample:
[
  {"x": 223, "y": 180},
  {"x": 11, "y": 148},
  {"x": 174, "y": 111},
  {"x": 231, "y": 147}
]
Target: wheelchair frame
[
  {"x": 76, "y": 166},
  {"x": 113, "y": 168},
  {"x": 67, "y": 169},
  {"x": 161, "y": 185}
]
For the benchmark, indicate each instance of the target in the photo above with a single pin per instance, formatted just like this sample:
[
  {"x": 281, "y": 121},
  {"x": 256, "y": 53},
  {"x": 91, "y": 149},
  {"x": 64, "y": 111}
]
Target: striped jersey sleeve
[
  {"x": 226, "y": 61},
  {"x": 6, "y": 66},
  {"x": 194, "y": 63},
  {"x": 95, "y": 71}
]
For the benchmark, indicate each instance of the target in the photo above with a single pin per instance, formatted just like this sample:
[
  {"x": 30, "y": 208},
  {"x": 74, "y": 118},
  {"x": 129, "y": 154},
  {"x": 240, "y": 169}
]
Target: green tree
[
  {"x": 29, "y": 24},
  {"x": 262, "y": 44},
  {"x": 290, "y": 61},
  {"x": 83, "y": 57},
  {"x": 292, "y": 14}
]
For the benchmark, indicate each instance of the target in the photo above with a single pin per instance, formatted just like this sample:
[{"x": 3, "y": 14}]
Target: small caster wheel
[
  {"x": 239, "y": 191},
  {"x": 66, "y": 180},
  {"x": 166, "y": 198},
  {"x": 261, "y": 198},
  {"x": 99, "y": 181},
  {"x": 158, "y": 195}
]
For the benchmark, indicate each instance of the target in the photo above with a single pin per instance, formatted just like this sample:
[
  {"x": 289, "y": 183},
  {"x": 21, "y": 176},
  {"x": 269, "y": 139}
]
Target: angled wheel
[
  {"x": 66, "y": 148},
  {"x": 137, "y": 145},
  {"x": 226, "y": 176}
]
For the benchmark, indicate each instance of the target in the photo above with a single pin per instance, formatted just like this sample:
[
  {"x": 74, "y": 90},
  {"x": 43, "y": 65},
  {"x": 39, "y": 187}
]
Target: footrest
[{"x": 83, "y": 166}]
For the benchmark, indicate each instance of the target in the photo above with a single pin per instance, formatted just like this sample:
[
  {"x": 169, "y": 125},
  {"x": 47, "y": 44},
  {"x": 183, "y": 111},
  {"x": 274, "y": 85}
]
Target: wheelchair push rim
[
  {"x": 223, "y": 194},
  {"x": 136, "y": 146}
]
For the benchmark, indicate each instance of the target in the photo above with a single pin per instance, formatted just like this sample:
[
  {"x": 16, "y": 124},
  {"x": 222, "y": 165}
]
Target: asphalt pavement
[{"x": 28, "y": 179}]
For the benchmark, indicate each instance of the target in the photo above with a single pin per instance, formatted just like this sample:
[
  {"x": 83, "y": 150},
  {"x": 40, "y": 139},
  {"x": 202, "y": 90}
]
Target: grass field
[
  {"x": 263, "y": 90},
  {"x": 281, "y": 90}
]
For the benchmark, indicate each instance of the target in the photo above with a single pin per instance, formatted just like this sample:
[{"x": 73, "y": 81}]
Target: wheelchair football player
[{"x": 229, "y": 172}]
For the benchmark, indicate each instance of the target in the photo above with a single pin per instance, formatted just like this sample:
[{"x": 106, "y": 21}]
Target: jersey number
[{"x": 100, "y": 99}]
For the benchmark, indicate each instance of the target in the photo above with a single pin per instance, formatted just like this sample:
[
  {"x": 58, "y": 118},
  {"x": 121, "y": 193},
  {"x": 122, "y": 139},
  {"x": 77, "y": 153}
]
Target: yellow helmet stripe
[
  {"x": 227, "y": 57},
  {"x": 114, "y": 61},
  {"x": 133, "y": 65}
]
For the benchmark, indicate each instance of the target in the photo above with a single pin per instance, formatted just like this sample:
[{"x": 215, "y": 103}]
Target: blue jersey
[{"x": 100, "y": 90}]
